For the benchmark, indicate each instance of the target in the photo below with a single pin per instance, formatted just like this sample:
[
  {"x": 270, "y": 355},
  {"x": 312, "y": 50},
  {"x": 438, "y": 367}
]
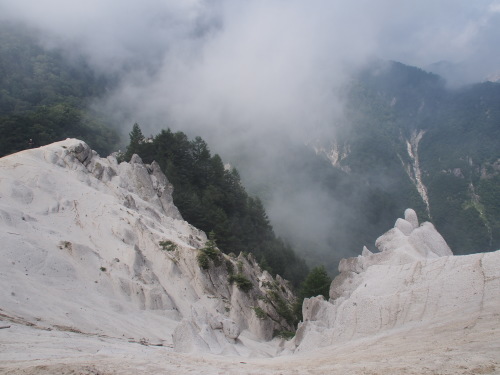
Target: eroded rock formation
[
  {"x": 98, "y": 247},
  {"x": 413, "y": 280}
]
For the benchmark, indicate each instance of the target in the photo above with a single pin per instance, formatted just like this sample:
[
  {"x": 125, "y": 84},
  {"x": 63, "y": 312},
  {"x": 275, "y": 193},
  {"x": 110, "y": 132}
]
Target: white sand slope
[
  {"x": 85, "y": 288},
  {"x": 455, "y": 348}
]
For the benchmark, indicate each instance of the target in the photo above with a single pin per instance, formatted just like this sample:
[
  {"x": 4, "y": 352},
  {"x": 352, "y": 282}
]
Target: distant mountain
[
  {"x": 410, "y": 141},
  {"x": 405, "y": 140}
]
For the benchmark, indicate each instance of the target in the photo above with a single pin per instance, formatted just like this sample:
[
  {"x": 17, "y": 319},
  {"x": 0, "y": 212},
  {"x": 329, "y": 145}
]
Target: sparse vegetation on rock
[
  {"x": 260, "y": 313},
  {"x": 209, "y": 253},
  {"x": 241, "y": 281},
  {"x": 168, "y": 245}
]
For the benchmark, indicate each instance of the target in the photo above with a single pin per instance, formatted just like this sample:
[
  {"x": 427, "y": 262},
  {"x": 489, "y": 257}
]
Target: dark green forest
[
  {"x": 212, "y": 198},
  {"x": 45, "y": 96}
]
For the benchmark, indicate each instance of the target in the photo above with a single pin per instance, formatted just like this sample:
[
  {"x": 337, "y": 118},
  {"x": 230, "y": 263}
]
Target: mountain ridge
[
  {"x": 426, "y": 145},
  {"x": 86, "y": 238}
]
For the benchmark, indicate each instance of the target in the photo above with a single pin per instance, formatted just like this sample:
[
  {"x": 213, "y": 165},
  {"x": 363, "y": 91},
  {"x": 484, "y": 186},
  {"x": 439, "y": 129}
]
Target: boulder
[{"x": 231, "y": 329}]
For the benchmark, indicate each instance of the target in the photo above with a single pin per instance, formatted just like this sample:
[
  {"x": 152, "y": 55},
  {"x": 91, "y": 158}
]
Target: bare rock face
[
  {"x": 99, "y": 247},
  {"x": 411, "y": 217},
  {"x": 404, "y": 226},
  {"x": 187, "y": 339},
  {"x": 244, "y": 298},
  {"x": 205, "y": 332},
  {"x": 413, "y": 280}
]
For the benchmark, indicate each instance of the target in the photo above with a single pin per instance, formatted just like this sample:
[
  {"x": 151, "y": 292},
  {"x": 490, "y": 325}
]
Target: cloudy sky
[
  {"x": 418, "y": 33},
  {"x": 262, "y": 61},
  {"x": 246, "y": 74}
]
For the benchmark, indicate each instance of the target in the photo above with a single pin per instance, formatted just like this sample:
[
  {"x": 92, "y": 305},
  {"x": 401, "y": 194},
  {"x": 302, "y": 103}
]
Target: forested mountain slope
[
  {"x": 45, "y": 95},
  {"x": 429, "y": 147},
  {"x": 212, "y": 198}
]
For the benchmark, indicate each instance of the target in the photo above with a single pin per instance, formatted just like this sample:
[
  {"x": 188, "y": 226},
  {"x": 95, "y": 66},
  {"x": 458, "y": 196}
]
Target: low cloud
[{"x": 257, "y": 64}]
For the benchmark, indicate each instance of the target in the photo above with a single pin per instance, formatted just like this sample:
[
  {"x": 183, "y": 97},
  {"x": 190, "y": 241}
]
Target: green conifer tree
[
  {"x": 136, "y": 139},
  {"x": 317, "y": 283}
]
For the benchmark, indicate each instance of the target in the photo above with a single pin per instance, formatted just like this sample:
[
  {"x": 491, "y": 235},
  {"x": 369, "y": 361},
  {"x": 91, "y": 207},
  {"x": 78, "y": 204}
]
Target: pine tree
[
  {"x": 136, "y": 139},
  {"x": 317, "y": 283}
]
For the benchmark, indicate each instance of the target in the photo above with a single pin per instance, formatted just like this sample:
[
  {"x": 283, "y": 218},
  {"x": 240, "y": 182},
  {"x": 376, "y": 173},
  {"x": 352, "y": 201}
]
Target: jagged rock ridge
[
  {"x": 413, "y": 281},
  {"x": 93, "y": 246}
]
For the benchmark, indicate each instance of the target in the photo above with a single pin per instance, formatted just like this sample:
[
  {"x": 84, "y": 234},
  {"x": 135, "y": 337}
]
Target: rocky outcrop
[
  {"x": 413, "y": 280},
  {"x": 334, "y": 151},
  {"x": 99, "y": 246}
]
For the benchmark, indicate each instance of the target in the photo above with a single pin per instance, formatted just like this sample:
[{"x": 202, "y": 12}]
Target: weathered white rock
[
  {"x": 411, "y": 217},
  {"x": 414, "y": 280},
  {"x": 231, "y": 329},
  {"x": 404, "y": 226},
  {"x": 80, "y": 252},
  {"x": 187, "y": 339},
  {"x": 423, "y": 241},
  {"x": 81, "y": 249},
  {"x": 428, "y": 242},
  {"x": 366, "y": 252}
]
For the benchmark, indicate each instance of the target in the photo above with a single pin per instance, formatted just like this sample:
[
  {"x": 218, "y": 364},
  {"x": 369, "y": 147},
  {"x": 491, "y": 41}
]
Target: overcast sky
[
  {"x": 259, "y": 61},
  {"x": 414, "y": 32}
]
